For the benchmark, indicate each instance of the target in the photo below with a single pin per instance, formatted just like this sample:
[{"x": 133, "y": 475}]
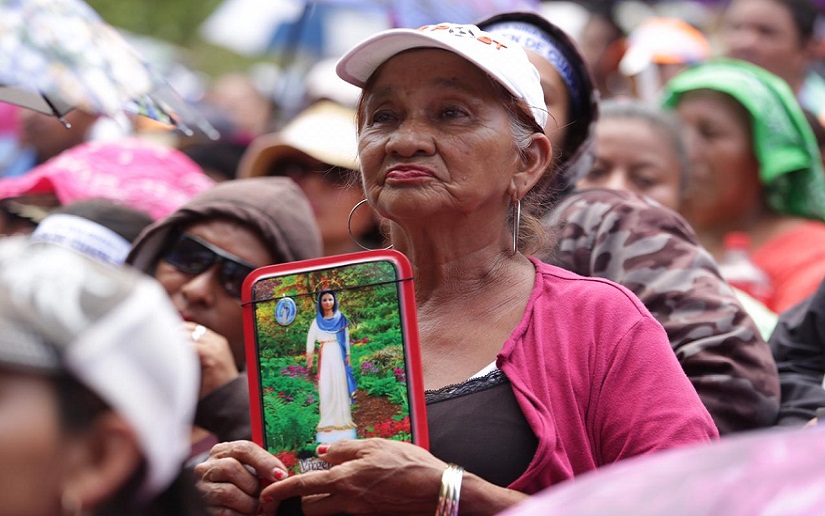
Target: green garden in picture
[{"x": 369, "y": 298}]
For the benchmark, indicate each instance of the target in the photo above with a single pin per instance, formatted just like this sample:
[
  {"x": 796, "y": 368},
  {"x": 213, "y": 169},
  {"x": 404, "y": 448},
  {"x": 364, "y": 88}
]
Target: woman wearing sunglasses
[{"x": 201, "y": 254}]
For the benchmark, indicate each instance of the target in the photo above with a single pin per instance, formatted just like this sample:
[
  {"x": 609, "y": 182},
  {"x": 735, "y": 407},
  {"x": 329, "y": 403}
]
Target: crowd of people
[{"x": 568, "y": 203}]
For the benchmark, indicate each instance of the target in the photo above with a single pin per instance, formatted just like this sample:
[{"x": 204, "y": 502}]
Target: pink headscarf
[{"x": 133, "y": 171}]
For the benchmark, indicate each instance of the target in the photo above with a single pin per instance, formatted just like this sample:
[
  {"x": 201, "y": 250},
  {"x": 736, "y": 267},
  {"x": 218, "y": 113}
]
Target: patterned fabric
[{"x": 654, "y": 253}]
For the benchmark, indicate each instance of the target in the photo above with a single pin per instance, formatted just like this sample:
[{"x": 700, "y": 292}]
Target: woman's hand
[
  {"x": 227, "y": 484},
  {"x": 216, "y": 359},
  {"x": 369, "y": 476}
]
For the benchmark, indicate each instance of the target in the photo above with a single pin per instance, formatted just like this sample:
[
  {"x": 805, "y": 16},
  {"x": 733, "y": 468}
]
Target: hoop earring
[
  {"x": 516, "y": 223},
  {"x": 349, "y": 227}
]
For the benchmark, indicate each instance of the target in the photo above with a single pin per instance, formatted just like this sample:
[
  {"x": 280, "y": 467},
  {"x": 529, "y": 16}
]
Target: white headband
[{"x": 84, "y": 236}]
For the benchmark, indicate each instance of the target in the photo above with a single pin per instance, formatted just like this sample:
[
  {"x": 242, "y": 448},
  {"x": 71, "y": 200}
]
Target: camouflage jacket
[{"x": 654, "y": 252}]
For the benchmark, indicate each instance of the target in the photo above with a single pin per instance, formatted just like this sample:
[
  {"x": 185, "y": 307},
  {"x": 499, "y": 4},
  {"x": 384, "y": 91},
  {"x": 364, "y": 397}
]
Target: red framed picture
[{"x": 332, "y": 353}]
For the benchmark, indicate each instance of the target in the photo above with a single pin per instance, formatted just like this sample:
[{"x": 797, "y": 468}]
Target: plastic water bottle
[{"x": 740, "y": 272}]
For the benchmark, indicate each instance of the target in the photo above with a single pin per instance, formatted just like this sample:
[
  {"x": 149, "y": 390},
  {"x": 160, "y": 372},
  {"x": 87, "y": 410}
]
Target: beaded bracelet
[{"x": 450, "y": 492}]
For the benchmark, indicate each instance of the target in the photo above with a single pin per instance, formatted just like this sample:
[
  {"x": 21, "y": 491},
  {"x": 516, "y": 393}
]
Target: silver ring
[{"x": 198, "y": 332}]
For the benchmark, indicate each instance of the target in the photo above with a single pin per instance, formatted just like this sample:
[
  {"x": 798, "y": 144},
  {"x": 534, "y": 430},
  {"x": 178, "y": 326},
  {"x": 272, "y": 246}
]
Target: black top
[
  {"x": 798, "y": 345},
  {"x": 478, "y": 425}
]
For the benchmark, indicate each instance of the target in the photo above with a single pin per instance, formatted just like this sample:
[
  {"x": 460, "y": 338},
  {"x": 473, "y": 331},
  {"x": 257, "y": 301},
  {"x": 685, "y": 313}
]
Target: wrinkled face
[
  {"x": 724, "y": 182},
  {"x": 31, "y": 445},
  {"x": 202, "y": 297},
  {"x": 763, "y": 33},
  {"x": 557, "y": 98},
  {"x": 327, "y": 303},
  {"x": 435, "y": 139},
  {"x": 632, "y": 155}
]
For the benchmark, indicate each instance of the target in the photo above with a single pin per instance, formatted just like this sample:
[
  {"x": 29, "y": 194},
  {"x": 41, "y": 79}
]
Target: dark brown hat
[{"x": 273, "y": 207}]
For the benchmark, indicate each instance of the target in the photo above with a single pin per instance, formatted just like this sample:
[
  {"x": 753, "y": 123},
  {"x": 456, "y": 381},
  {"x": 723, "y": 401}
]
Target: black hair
[
  {"x": 334, "y": 298},
  {"x": 14, "y": 219},
  {"x": 804, "y": 14}
]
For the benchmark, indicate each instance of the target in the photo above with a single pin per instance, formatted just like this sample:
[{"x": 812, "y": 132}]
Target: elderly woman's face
[
  {"x": 435, "y": 138},
  {"x": 203, "y": 297},
  {"x": 31, "y": 445}
]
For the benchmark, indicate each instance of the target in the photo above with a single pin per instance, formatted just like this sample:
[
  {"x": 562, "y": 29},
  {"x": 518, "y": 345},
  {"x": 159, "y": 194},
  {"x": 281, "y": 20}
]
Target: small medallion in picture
[{"x": 285, "y": 311}]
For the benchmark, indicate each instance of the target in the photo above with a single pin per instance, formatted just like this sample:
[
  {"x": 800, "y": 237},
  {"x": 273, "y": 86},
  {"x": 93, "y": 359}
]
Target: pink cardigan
[{"x": 596, "y": 378}]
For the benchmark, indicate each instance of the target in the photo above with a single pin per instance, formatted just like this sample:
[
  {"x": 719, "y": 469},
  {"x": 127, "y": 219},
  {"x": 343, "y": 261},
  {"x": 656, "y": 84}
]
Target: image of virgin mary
[{"x": 336, "y": 382}]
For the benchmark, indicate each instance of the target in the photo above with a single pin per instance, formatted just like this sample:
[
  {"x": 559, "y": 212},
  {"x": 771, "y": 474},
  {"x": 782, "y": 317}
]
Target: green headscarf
[{"x": 790, "y": 167}]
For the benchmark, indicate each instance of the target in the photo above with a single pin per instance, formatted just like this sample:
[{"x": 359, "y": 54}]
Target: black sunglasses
[{"x": 194, "y": 255}]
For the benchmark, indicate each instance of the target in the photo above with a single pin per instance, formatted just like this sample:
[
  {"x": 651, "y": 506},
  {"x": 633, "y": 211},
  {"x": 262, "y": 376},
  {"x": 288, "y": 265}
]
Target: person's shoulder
[
  {"x": 607, "y": 233},
  {"x": 630, "y": 210},
  {"x": 811, "y": 227},
  {"x": 609, "y": 195},
  {"x": 578, "y": 291},
  {"x": 805, "y": 239}
]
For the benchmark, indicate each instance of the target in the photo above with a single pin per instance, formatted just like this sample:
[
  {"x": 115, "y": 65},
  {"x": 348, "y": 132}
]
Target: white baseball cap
[
  {"x": 500, "y": 58},
  {"x": 112, "y": 329}
]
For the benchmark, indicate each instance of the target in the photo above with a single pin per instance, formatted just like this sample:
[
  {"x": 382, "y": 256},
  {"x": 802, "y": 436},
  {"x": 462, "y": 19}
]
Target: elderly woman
[
  {"x": 201, "y": 255},
  {"x": 98, "y": 388},
  {"x": 579, "y": 374},
  {"x": 650, "y": 250}
]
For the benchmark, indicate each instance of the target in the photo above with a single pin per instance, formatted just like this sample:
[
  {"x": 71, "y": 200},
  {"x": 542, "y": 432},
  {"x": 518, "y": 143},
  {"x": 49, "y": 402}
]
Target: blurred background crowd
[{"x": 709, "y": 116}]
